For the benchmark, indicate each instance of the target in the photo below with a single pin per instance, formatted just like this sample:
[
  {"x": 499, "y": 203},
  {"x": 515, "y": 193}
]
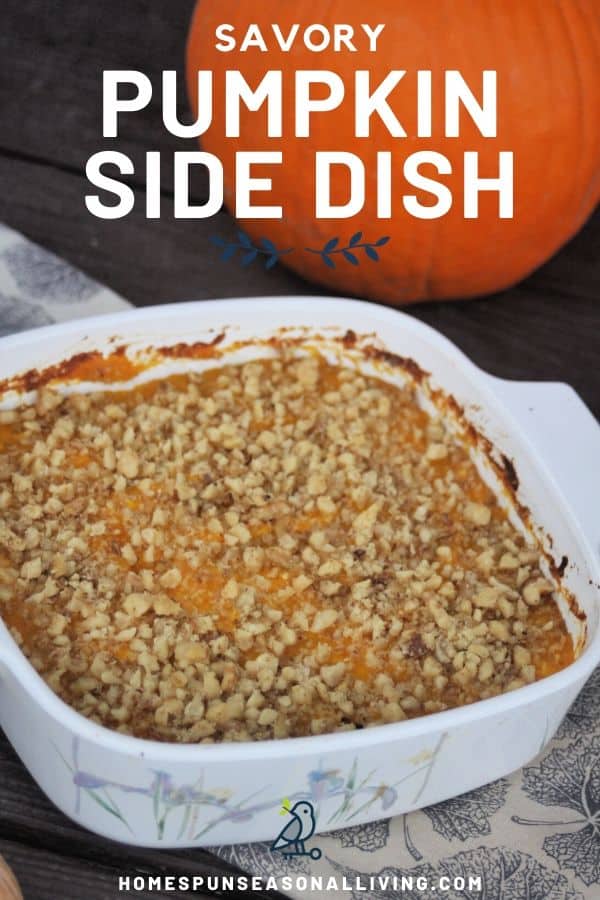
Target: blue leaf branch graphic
[
  {"x": 246, "y": 251},
  {"x": 332, "y": 247}
]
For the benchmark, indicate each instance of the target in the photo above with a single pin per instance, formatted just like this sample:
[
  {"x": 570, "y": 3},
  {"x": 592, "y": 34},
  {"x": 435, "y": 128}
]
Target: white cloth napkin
[
  {"x": 38, "y": 288},
  {"x": 532, "y": 836}
]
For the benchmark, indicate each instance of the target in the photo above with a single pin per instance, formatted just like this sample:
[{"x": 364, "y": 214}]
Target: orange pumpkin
[
  {"x": 547, "y": 56},
  {"x": 9, "y": 888}
]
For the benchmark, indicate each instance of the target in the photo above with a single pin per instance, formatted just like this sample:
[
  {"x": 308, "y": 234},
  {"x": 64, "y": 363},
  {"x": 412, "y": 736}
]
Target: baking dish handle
[{"x": 563, "y": 429}]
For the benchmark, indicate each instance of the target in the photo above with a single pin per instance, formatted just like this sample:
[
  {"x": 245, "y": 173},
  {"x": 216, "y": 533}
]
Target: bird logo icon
[{"x": 292, "y": 837}]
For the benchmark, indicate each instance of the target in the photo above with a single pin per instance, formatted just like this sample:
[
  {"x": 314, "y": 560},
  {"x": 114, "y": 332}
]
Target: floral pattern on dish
[{"x": 192, "y": 810}]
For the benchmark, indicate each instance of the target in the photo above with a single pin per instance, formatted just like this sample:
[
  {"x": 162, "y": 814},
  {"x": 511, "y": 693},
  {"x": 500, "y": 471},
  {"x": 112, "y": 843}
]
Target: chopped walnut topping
[
  {"x": 128, "y": 463},
  {"x": 279, "y": 548}
]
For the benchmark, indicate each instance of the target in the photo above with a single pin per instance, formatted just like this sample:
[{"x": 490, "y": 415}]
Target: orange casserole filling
[{"x": 278, "y": 548}]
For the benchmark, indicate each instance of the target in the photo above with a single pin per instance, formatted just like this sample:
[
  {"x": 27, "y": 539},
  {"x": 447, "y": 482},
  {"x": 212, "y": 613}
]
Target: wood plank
[
  {"x": 575, "y": 270},
  {"x": 51, "y": 90},
  {"x": 527, "y": 334},
  {"x": 44, "y": 875}
]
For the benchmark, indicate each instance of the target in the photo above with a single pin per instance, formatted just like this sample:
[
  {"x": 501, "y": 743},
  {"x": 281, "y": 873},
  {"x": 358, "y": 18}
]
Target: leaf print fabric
[
  {"x": 369, "y": 838},
  {"x": 569, "y": 778},
  {"x": 584, "y": 716},
  {"x": 19, "y": 315},
  {"x": 505, "y": 874},
  {"x": 578, "y": 851},
  {"x": 469, "y": 815},
  {"x": 41, "y": 275},
  {"x": 37, "y": 288}
]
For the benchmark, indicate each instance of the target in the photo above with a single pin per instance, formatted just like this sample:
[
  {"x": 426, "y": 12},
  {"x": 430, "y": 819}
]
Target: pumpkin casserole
[{"x": 278, "y": 548}]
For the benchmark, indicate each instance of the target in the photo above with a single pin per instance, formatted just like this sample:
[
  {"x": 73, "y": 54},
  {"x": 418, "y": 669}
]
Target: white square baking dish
[{"x": 168, "y": 795}]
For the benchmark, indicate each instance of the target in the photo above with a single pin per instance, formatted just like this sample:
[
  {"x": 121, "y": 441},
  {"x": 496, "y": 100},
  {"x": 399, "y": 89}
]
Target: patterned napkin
[
  {"x": 532, "y": 836},
  {"x": 38, "y": 288}
]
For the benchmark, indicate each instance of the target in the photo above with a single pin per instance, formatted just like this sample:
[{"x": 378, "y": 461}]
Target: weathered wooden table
[{"x": 52, "y": 56}]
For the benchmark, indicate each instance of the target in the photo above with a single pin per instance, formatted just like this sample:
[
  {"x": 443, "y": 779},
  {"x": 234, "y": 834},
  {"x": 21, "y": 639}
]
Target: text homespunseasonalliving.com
[{"x": 300, "y": 883}]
